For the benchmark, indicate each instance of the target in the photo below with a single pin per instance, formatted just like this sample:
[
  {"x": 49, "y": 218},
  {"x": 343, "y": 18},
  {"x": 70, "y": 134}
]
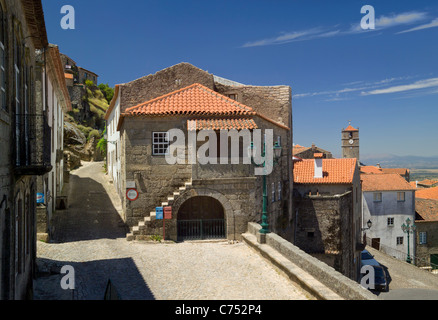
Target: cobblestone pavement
[{"x": 90, "y": 237}]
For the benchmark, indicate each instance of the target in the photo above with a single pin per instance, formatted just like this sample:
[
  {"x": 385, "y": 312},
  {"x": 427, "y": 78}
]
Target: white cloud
[
  {"x": 421, "y": 84},
  {"x": 432, "y": 24},
  {"x": 382, "y": 22},
  {"x": 399, "y": 19}
]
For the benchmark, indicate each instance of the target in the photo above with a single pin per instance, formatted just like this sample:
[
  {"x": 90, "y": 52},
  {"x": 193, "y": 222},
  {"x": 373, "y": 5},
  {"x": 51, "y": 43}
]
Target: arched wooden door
[{"x": 201, "y": 217}]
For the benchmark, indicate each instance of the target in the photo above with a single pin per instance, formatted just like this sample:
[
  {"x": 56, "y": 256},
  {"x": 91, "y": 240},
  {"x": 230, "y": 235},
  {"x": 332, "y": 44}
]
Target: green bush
[
  {"x": 93, "y": 134},
  {"x": 89, "y": 83},
  {"x": 85, "y": 130}
]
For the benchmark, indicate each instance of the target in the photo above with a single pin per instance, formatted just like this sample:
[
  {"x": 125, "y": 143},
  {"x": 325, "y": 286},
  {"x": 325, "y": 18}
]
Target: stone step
[{"x": 130, "y": 237}]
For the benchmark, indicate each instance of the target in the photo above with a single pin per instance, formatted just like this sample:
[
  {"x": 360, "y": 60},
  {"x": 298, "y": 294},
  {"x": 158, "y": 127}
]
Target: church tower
[{"x": 350, "y": 142}]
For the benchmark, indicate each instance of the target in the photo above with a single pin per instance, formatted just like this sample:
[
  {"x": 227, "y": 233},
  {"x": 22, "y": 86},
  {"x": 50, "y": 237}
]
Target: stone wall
[
  {"x": 323, "y": 228},
  {"x": 161, "y": 83}
]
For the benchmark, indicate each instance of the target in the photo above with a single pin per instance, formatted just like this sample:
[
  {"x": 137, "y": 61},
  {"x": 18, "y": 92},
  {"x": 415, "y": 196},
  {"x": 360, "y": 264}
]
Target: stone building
[
  {"x": 427, "y": 233},
  {"x": 56, "y": 103},
  {"x": 79, "y": 74},
  {"x": 327, "y": 209},
  {"x": 309, "y": 152},
  {"x": 25, "y": 142},
  {"x": 350, "y": 142},
  {"x": 220, "y": 197}
]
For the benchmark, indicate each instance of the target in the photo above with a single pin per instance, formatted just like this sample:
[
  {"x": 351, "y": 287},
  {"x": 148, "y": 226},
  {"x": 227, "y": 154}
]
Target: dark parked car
[
  {"x": 368, "y": 259},
  {"x": 380, "y": 279}
]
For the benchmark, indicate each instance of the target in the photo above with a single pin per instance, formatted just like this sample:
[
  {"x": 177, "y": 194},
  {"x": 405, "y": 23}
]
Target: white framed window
[
  {"x": 399, "y": 240},
  {"x": 423, "y": 237},
  {"x": 273, "y": 191},
  {"x": 160, "y": 143},
  {"x": 377, "y": 197},
  {"x": 400, "y": 196},
  {"x": 390, "y": 222}
]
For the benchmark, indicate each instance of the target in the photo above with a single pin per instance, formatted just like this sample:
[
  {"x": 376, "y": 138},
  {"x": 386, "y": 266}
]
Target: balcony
[{"x": 32, "y": 141}]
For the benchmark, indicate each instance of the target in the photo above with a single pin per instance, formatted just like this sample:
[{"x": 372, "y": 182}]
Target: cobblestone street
[{"x": 90, "y": 236}]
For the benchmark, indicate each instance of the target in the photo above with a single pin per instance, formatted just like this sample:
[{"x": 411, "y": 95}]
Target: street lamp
[
  {"x": 277, "y": 154},
  {"x": 408, "y": 228},
  {"x": 369, "y": 224}
]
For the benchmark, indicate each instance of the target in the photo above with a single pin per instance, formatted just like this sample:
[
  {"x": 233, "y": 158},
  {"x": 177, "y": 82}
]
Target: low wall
[{"x": 337, "y": 282}]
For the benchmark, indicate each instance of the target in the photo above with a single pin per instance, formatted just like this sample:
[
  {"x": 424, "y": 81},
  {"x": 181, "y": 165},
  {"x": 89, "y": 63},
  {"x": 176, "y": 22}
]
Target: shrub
[{"x": 93, "y": 134}]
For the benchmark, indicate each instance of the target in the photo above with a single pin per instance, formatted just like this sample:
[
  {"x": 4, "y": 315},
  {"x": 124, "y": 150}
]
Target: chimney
[{"x": 318, "y": 165}]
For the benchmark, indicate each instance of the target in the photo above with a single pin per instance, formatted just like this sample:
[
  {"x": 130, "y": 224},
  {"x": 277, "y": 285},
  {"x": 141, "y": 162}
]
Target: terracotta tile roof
[
  {"x": 350, "y": 128},
  {"x": 427, "y": 193},
  {"x": 384, "y": 182},
  {"x": 371, "y": 170},
  {"x": 413, "y": 184},
  {"x": 401, "y": 171},
  {"x": 221, "y": 124},
  {"x": 195, "y": 99},
  {"x": 428, "y": 182},
  {"x": 335, "y": 171},
  {"x": 427, "y": 209}
]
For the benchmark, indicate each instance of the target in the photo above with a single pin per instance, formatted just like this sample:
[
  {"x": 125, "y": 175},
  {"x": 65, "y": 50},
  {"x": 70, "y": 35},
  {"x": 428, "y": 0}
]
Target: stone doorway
[{"x": 201, "y": 217}]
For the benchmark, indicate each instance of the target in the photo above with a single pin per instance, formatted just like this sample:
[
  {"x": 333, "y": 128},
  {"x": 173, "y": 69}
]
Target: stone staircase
[{"x": 144, "y": 226}]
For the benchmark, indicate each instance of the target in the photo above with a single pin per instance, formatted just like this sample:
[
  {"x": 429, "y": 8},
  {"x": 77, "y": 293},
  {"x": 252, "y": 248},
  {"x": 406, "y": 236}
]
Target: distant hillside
[{"x": 393, "y": 161}]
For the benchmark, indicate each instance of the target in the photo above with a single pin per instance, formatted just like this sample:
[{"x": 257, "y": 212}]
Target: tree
[{"x": 107, "y": 91}]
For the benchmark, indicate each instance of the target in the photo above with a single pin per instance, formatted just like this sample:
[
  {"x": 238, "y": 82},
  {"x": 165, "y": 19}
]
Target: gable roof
[
  {"x": 427, "y": 209},
  {"x": 427, "y": 193},
  {"x": 384, "y": 182},
  {"x": 195, "y": 99},
  {"x": 401, "y": 171},
  {"x": 370, "y": 170},
  {"x": 335, "y": 171},
  {"x": 221, "y": 124}
]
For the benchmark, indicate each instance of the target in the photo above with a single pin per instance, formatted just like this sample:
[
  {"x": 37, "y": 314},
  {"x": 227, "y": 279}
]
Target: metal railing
[{"x": 201, "y": 229}]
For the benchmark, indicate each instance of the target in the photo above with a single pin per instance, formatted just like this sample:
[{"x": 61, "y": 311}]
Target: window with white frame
[
  {"x": 400, "y": 196},
  {"x": 160, "y": 143},
  {"x": 423, "y": 237},
  {"x": 390, "y": 222},
  {"x": 377, "y": 196},
  {"x": 399, "y": 240}
]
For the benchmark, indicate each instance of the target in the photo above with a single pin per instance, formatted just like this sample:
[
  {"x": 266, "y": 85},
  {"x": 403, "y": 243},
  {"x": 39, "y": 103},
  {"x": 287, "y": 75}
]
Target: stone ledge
[
  {"x": 308, "y": 283},
  {"x": 329, "y": 277}
]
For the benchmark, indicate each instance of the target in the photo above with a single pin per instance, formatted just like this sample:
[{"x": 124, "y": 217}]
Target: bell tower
[{"x": 350, "y": 142}]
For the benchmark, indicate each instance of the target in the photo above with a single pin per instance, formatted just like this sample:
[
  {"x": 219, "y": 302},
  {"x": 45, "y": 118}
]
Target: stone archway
[
  {"x": 218, "y": 198},
  {"x": 201, "y": 217}
]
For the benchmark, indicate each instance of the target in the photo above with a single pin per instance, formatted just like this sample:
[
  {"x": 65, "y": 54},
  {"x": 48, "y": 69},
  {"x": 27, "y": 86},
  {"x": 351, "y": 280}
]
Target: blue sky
[{"x": 384, "y": 80}]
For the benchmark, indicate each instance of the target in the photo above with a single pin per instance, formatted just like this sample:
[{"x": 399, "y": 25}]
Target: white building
[
  {"x": 55, "y": 103},
  {"x": 113, "y": 137},
  {"x": 388, "y": 200}
]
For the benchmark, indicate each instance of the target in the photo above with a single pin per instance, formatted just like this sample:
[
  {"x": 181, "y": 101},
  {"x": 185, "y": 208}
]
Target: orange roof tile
[
  {"x": 427, "y": 193},
  {"x": 335, "y": 171},
  {"x": 401, "y": 171},
  {"x": 370, "y": 170},
  {"x": 221, "y": 124},
  {"x": 413, "y": 184},
  {"x": 350, "y": 128},
  {"x": 427, "y": 209},
  {"x": 384, "y": 182},
  {"x": 195, "y": 99},
  {"x": 428, "y": 182}
]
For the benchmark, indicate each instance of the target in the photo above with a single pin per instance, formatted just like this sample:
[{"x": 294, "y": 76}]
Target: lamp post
[
  {"x": 277, "y": 155},
  {"x": 369, "y": 224},
  {"x": 408, "y": 228}
]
